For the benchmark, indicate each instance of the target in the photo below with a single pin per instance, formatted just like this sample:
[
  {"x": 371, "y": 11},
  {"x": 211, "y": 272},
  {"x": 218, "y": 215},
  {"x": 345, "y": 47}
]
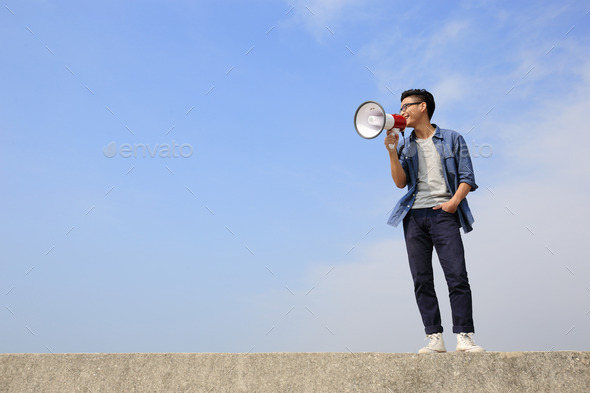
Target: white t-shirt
[{"x": 431, "y": 189}]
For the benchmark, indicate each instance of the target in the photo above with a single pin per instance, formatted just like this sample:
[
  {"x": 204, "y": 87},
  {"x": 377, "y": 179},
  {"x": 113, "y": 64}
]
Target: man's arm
[
  {"x": 397, "y": 171},
  {"x": 464, "y": 165},
  {"x": 452, "y": 205}
]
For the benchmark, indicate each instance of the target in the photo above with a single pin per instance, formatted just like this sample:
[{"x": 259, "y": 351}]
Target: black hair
[{"x": 425, "y": 96}]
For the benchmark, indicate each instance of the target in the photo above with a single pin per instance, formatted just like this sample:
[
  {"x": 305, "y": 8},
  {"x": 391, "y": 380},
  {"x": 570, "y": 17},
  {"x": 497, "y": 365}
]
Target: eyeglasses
[{"x": 405, "y": 106}]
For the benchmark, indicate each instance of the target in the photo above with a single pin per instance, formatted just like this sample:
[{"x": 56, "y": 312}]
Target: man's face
[{"x": 412, "y": 108}]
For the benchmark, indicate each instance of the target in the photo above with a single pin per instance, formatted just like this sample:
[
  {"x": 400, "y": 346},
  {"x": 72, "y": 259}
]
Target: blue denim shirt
[{"x": 457, "y": 168}]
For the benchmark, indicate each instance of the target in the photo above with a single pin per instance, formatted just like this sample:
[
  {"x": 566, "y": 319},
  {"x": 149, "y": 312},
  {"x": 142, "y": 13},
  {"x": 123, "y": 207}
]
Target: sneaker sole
[{"x": 430, "y": 352}]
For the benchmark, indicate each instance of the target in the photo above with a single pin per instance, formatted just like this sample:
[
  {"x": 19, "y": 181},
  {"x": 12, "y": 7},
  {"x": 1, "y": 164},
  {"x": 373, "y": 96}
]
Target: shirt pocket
[{"x": 411, "y": 167}]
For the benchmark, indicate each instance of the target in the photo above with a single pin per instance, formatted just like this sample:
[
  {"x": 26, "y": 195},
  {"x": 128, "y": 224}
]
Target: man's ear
[{"x": 423, "y": 106}]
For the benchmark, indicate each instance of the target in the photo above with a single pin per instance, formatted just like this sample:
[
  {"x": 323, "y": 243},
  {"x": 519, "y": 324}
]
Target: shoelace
[
  {"x": 466, "y": 339},
  {"x": 433, "y": 340}
]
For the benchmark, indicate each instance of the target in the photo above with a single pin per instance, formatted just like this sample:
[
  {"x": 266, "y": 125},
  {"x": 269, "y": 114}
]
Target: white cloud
[
  {"x": 477, "y": 53},
  {"x": 527, "y": 261},
  {"x": 357, "y": 305},
  {"x": 551, "y": 134},
  {"x": 450, "y": 34},
  {"x": 451, "y": 88}
]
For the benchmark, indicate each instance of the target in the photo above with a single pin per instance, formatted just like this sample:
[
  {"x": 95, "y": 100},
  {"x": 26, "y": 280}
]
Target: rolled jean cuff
[
  {"x": 433, "y": 329},
  {"x": 463, "y": 329}
]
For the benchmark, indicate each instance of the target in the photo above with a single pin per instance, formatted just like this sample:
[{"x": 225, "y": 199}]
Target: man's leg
[
  {"x": 419, "y": 247},
  {"x": 449, "y": 247}
]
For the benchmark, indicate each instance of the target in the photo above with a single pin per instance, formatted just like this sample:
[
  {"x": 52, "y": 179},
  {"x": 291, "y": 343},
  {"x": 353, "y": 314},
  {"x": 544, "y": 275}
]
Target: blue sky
[{"x": 257, "y": 219}]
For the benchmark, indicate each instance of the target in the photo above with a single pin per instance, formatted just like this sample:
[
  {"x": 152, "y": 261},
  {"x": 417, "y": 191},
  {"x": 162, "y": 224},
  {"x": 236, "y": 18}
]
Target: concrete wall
[{"x": 514, "y": 372}]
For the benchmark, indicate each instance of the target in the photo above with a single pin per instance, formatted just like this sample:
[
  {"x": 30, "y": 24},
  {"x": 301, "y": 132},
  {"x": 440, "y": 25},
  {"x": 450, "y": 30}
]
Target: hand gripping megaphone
[{"x": 370, "y": 119}]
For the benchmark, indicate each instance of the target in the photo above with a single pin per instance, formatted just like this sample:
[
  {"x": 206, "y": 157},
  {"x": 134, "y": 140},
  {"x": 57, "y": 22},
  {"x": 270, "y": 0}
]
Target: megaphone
[{"x": 370, "y": 119}]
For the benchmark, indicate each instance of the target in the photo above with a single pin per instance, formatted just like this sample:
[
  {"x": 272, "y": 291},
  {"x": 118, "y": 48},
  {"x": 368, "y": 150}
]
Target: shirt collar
[{"x": 437, "y": 133}]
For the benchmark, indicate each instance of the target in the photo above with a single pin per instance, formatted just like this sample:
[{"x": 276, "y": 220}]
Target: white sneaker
[
  {"x": 465, "y": 343},
  {"x": 435, "y": 345}
]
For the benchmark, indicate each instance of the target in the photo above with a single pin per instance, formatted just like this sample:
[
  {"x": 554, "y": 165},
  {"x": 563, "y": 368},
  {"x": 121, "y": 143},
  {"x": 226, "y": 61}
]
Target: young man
[{"x": 436, "y": 166}]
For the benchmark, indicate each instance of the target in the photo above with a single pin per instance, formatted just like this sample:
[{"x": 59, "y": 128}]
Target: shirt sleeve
[{"x": 464, "y": 165}]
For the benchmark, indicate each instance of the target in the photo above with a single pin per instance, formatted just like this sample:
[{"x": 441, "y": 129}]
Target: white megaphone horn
[{"x": 370, "y": 119}]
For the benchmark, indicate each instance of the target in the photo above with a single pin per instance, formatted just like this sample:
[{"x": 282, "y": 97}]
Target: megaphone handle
[{"x": 396, "y": 130}]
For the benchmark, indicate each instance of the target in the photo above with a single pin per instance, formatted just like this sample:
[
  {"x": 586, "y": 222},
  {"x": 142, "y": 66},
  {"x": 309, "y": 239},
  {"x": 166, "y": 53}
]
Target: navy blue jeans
[{"x": 423, "y": 229}]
